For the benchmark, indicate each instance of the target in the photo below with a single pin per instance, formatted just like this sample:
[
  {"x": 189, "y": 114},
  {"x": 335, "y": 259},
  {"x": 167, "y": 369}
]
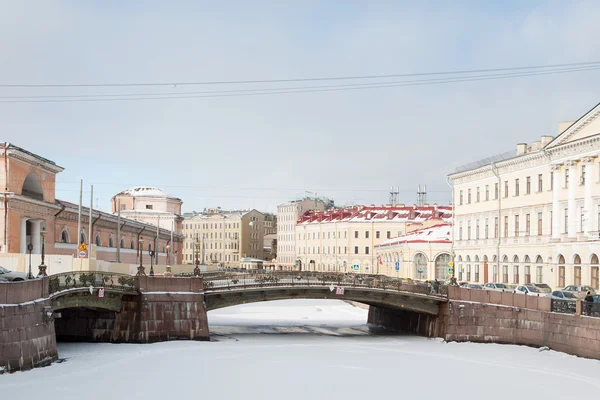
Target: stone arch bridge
[{"x": 109, "y": 307}]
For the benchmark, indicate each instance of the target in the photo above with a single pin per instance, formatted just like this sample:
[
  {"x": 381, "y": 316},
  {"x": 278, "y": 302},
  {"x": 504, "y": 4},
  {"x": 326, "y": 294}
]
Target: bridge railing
[
  {"x": 81, "y": 279},
  {"x": 229, "y": 281}
]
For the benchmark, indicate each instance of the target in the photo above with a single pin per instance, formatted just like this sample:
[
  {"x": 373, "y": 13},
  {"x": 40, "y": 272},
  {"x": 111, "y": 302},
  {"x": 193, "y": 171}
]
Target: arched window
[
  {"x": 111, "y": 241},
  {"x": 32, "y": 187},
  {"x": 539, "y": 269},
  {"x": 505, "y": 269},
  {"x": 441, "y": 266},
  {"x": 594, "y": 272},
  {"x": 149, "y": 246},
  {"x": 420, "y": 263},
  {"x": 64, "y": 236},
  {"x": 527, "y": 270},
  {"x": 82, "y": 238},
  {"x": 122, "y": 243},
  {"x": 495, "y": 268},
  {"x": 98, "y": 240},
  {"x": 468, "y": 278},
  {"x": 476, "y": 268},
  {"x": 577, "y": 270},
  {"x": 132, "y": 244},
  {"x": 516, "y": 269},
  {"x": 561, "y": 271}
]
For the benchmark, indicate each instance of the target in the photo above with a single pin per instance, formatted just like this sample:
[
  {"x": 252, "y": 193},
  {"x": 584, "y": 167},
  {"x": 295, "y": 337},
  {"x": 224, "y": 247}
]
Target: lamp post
[
  {"x": 168, "y": 268},
  {"x": 30, "y": 249},
  {"x": 151, "y": 252},
  {"x": 197, "y": 262},
  {"x": 42, "y": 266},
  {"x": 141, "y": 250}
]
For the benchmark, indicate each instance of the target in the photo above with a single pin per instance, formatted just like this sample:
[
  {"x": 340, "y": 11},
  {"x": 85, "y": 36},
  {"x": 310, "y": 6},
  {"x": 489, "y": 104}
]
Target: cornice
[{"x": 16, "y": 154}]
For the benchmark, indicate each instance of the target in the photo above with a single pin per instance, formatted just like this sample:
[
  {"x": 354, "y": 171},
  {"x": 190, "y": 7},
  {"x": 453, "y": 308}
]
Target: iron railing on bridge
[
  {"x": 563, "y": 306},
  {"x": 590, "y": 309},
  {"x": 228, "y": 281},
  {"x": 81, "y": 279}
]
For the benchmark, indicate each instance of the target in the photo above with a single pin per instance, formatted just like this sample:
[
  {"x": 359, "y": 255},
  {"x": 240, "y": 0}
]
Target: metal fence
[
  {"x": 590, "y": 309},
  {"x": 229, "y": 281},
  {"x": 109, "y": 280},
  {"x": 563, "y": 306}
]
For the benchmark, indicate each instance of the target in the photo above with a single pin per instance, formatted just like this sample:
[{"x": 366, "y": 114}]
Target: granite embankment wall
[
  {"x": 495, "y": 317},
  {"x": 165, "y": 309},
  {"x": 27, "y": 338}
]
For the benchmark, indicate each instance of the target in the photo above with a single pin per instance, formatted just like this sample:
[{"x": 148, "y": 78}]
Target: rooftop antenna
[
  {"x": 421, "y": 195},
  {"x": 394, "y": 196}
]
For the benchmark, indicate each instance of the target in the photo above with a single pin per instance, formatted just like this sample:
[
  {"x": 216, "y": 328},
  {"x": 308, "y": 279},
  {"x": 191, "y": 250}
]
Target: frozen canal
[{"x": 308, "y": 349}]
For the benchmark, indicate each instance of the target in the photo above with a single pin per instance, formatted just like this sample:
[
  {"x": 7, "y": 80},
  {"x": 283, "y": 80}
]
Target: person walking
[{"x": 587, "y": 303}]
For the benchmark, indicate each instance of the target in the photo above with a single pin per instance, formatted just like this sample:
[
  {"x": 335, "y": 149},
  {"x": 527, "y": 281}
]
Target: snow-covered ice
[{"x": 323, "y": 350}]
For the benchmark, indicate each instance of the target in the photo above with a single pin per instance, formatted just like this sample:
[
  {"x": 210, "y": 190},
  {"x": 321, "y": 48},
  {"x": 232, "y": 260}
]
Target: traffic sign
[
  {"x": 397, "y": 265},
  {"x": 356, "y": 267},
  {"x": 451, "y": 271},
  {"x": 82, "y": 247},
  {"x": 451, "y": 264},
  {"x": 82, "y": 254},
  {"x": 101, "y": 293},
  {"x": 366, "y": 268},
  {"x": 339, "y": 291}
]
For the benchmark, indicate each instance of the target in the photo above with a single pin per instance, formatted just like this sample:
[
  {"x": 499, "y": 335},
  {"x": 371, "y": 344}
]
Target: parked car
[
  {"x": 562, "y": 295},
  {"x": 596, "y": 298},
  {"x": 529, "y": 289},
  {"x": 543, "y": 288},
  {"x": 3, "y": 279},
  {"x": 472, "y": 286},
  {"x": 498, "y": 287},
  {"x": 579, "y": 291},
  {"x": 12, "y": 276}
]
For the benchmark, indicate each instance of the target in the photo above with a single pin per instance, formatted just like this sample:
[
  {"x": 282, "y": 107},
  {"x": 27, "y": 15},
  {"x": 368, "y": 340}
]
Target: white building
[
  {"x": 150, "y": 205},
  {"x": 287, "y": 215},
  {"x": 345, "y": 239},
  {"x": 534, "y": 216},
  {"x": 419, "y": 255}
]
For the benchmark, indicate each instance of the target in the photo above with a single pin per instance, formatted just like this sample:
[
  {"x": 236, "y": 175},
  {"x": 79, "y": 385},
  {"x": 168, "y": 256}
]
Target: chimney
[
  {"x": 400, "y": 205},
  {"x": 521, "y": 148},
  {"x": 546, "y": 140},
  {"x": 535, "y": 146},
  {"x": 426, "y": 205}
]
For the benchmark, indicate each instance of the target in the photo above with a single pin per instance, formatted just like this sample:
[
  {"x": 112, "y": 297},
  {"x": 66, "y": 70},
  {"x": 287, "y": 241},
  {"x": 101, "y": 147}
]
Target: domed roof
[{"x": 145, "y": 191}]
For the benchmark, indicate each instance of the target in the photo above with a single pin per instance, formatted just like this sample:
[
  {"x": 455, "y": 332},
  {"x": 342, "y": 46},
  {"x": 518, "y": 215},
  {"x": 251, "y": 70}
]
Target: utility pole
[
  {"x": 119, "y": 230},
  {"x": 90, "y": 221},
  {"x": 79, "y": 213}
]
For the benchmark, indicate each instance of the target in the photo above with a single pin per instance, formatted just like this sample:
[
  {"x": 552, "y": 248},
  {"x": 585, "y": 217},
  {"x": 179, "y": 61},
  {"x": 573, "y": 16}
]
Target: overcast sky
[{"x": 259, "y": 151}]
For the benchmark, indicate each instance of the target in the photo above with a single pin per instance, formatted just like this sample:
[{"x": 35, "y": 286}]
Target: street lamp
[
  {"x": 168, "y": 268},
  {"x": 197, "y": 251},
  {"x": 42, "y": 266},
  {"x": 141, "y": 250},
  {"x": 30, "y": 249},
  {"x": 151, "y": 252}
]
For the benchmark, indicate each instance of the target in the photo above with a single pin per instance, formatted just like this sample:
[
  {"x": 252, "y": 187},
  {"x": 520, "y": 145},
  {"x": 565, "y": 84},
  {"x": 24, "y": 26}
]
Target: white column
[
  {"x": 36, "y": 238},
  {"x": 23, "y": 234},
  {"x": 572, "y": 205},
  {"x": 590, "y": 179},
  {"x": 556, "y": 169}
]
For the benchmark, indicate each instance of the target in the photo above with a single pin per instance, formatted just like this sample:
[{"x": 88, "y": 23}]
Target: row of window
[
  {"x": 578, "y": 225},
  {"x": 209, "y": 245},
  {"x": 331, "y": 250},
  {"x": 517, "y": 187},
  {"x": 66, "y": 238},
  {"x": 234, "y": 225},
  {"x": 213, "y": 257},
  {"x": 331, "y": 235}
]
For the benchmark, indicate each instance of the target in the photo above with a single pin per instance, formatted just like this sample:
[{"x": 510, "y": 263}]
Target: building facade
[
  {"x": 287, "y": 215},
  {"x": 219, "y": 237},
  {"x": 345, "y": 239},
  {"x": 423, "y": 254},
  {"x": 150, "y": 205},
  {"x": 33, "y": 215},
  {"x": 533, "y": 216}
]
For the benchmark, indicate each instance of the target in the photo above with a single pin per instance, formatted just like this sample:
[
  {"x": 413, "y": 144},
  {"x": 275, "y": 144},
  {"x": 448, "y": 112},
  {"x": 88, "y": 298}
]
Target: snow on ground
[{"x": 327, "y": 352}]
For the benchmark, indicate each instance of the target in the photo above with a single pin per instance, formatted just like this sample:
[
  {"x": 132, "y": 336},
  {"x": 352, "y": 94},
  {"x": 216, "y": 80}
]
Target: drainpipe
[
  {"x": 495, "y": 172},
  {"x": 450, "y": 183},
  {"x": 547, "y": 157},
  {"x": 5, "y": 246}
]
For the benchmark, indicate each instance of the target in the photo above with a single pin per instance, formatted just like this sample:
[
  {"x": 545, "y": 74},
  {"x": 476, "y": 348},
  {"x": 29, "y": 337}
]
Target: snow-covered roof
[
  {"x": 145, "y": 191},
  {"x": 435, "y": 234},
  {"x": 400, "y": 213}
]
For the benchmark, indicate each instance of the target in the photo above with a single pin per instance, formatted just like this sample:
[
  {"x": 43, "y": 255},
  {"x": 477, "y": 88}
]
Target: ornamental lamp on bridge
[
  {"x": 141, "y": 250},
  {"x": 42, "y": 267},
  {"x": 30, "y": 249},
  {"x": 151, "y": 253}
]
